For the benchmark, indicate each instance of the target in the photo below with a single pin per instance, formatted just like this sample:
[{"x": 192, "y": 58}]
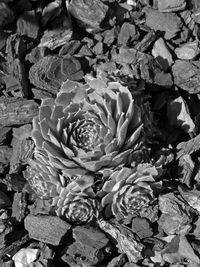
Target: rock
[
  {"x": 89, "y": 12},
  {"x": 187, "y": 75},
  {"x": 22, "y": 146},
  {"x": 13, "y": 241},
  {"x": 118, "y": 261},
  {"x": 141, "y": 227},
  {"x": 55, "y": 38},
  {"x": 48, "y": 229},
  {"x": 28, "y": 25},
  {"x": 19, "y": 207},
  {"x": 188, "y": 51},
  {"x": 37, "y": 53},
  {"x": 25, "y": 256},
  {"x": 15, "y": 182},
  {"x": 5, "y": 154},
  {"x": 8, "y": 263},
  {"x": 6, "y": 15},
  {"x": 131, "y": 2},
  {"x": 51, "y": 11},
  {"x": 169, "y": 23},
  {"x": 148, "y": 39},
  {"x": 171, "y": 5},
  {"x": 4, "y": 200},
  {"x": 90, "y": 244},
  {"x": 197, "y": 16},
  {"x": 127, "y": 33},
  {"x": 160, "y": 50},
  {"x": 51, "y": 71}
]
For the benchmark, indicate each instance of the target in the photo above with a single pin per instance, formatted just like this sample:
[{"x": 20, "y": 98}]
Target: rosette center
[
  {"x": 84, "y": 135},
  {"x": 132, "y": 200}
]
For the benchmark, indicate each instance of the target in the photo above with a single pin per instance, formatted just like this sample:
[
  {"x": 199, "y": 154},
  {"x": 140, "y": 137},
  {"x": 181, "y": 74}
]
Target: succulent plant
[
  {"x": 129, "y": 192},
  {"x": 51, "y": 71},
  {"x": 43, "y": 179},
  {"x": 76, "y": 202},
  {"x": 89, "y": 128}
]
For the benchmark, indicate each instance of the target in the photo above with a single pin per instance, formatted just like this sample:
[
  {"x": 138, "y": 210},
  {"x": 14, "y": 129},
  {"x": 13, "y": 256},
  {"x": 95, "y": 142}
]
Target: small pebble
[
  {"x": 25, "y": 256},
  {"x": 188, "y": 51}
]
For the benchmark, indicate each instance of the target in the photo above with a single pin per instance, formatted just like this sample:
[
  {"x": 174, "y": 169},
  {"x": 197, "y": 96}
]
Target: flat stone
[
  {"x": 90, "y": 12},
  {"x": 4, "y": 200},
  {"x": 48, "y": 229},
  {"x": 25, "y": 256},
  {"x": 160, "y": 50},
  {"x": 188, "y": 51},
  {"x": 169, "y": 23},
  {"x": 186, "y": 75},
  {"x": 171, "y": 5}
]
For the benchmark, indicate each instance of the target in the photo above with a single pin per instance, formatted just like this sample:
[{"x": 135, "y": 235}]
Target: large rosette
[
  {"x": 89, "y": 128},
  {"x": 129, "y": 191}
]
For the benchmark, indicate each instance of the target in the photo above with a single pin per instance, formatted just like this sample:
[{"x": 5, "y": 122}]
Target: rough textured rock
[
  {"x": 48, "y": 229},
  {"x": 25, "y": 256},
  {"x": 49, "y": 72},
  {"x": 90, "y": 244},
  {"x": 160, "y": 50},
  {"x": 171, "y": 5},
  {"x": 89, "y": 12},
  {"x": 187, "y": 75},
  {"x": 188, "y": 51},
  {"x": 169, "y": 23}
]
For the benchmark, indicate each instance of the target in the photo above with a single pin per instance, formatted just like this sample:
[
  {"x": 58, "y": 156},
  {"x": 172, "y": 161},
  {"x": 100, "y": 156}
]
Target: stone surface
[
  {"x": 171, "y": 5},
  {"x": 48, "y": 229},
  {"x": 90, "y": 244},
  {"x": 4, "y": 200},
  {"x": 160, "y": 50},
  {"x": 187, "y": 75},
  {"x": 25, "y": 256},
  {"x": 89, "y": 12},
  {"x": 169, "y": 23},
  {"x": 188, "y": 51}
]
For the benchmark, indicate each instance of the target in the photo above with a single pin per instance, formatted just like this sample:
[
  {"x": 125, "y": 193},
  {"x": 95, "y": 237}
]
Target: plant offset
[{"x": 99, "y": 133}]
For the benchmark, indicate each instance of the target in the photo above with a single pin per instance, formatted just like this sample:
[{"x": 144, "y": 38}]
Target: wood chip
[
  {"x": 126, "y": 240},
  {"x": 48, "y": 229},
  {"x": 14, "y": 241},
  {"x": 15, "y": 111}
]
